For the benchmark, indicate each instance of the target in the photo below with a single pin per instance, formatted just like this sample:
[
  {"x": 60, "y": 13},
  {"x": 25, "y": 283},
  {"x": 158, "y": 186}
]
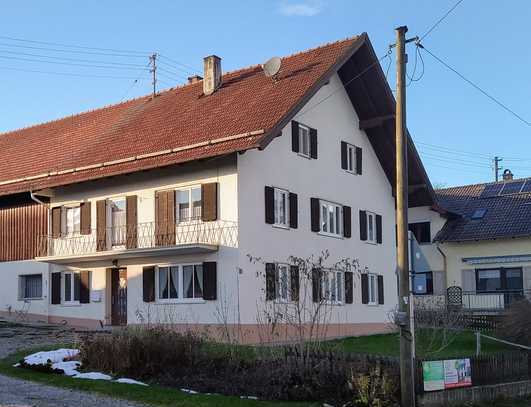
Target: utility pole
[
  {"x": 153, "y": 70},
  {"x": 406, "y": 365},
  {"x": 497, "y": 168}
]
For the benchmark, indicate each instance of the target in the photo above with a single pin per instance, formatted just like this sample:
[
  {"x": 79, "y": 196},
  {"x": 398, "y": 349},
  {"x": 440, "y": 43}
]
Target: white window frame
[
  {"x": 283, "y": 270},
  {"x": 180, "y": 288},
  {"x": 372, "y": 289},
  {"x": 75, "y": 227},
  {"x": 371, "y": 223},
  {"x": 304, "y": 140},
  {"x": 337, "y": 218},
  {"x": 351, "y": 159},
  {"x": 72, "y": 300},
  {"x": 22, "y": 286},
  {"x": 331, "y": 291},
  {"x": 190, "y": 218},
  {"x": 122, "y": 233},
  {"x": 278, "y": 194}
]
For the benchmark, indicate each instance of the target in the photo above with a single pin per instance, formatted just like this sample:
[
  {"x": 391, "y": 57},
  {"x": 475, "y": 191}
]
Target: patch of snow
[
  {"x": 54, "y": 356},
  {"x": 189, "y": 391},
  {"x": 70, "y": 367},
  {"x": 249, "y": 397},
  {"x": 130, "y": 381},
  {"x": 92, "y": 376},
  {"x": 16, "y": 365}
]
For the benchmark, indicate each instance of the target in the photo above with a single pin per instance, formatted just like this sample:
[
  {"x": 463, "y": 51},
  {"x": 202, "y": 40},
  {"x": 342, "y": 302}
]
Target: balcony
[{"x": 141, "y": 240}]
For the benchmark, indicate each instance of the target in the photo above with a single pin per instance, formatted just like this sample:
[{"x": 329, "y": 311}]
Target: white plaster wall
[
  {"x": 425, "y": 214},
  {"x": 323, "y": 178}
]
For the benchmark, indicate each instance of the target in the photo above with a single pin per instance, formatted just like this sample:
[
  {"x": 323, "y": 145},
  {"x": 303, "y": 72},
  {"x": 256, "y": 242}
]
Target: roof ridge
[{"x": 482, "y": 184}]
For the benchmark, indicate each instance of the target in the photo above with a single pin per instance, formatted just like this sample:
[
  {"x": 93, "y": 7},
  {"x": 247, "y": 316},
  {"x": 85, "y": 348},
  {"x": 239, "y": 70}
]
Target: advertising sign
[
  {"x": 446, "y": 374},
  {"x": 433, "y": 373}
]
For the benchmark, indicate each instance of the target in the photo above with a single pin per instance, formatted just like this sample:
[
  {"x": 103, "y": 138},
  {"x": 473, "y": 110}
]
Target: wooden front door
[{"x": 119, "y": 296}]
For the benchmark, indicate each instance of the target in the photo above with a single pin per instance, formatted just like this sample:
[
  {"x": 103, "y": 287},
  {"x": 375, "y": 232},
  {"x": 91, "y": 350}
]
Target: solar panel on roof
[
  {"x": 491, "y": 190},
  {"x": 527, "y": 186},
  {"x": 512, "y": 187}
]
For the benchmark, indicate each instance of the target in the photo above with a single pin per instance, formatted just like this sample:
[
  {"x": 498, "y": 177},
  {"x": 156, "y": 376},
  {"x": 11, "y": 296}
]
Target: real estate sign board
[{"x": 446, "y": 374}]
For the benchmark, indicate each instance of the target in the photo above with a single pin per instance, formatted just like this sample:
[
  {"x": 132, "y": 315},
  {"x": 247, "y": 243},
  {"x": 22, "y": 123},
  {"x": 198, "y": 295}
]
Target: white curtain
[
  {"x": 163, "y": 282},
  {"x": 188, "y": 288},
  {"x": 174, "y": 290},
  {"x": 198, "y": 281}
]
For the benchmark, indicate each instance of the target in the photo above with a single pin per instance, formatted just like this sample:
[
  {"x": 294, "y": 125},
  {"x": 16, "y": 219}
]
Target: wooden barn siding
[{"x": 20, "y": 228}]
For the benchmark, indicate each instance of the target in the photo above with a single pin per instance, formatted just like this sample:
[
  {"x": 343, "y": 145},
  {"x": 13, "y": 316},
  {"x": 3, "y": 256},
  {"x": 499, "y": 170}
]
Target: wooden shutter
[
  {"x": 210, "y": 281},
  {"x": 349, "y": 287},
  {"x": 293, "y": 211},
  {"x": 344, "y": 159},
  {"x": 209, "y": 202},
  {"x": 378, "y": 228},
  {"x": 295, "y": 136},
  {"x": 84, "y": 287},
  {"x": 380, "y": 290},
  {"x": 56, "y": 288},
  {"x": 270, "y": 281},
  {"x": 165, "y": 218},
  {"x": 313, "y": 143},
  {"x": 85, "y": 215},
  {"x": 294, "y": 282},
  {"x": 314, "y": 214},
  {"x": 101, "y": 225},
  {"x": 317, "y": 294},
  {"x": 56, "y": 222},
  {"x": 364, "y": 289},
  {"x": 269, "y": 205},
  {"x": 363, "y": 225},
  {"x": 347, "y": 221},
  {"x": 148, "y": 284},
  {"x": 131, "y": 208},
  {"x": 359, "y": 160}
]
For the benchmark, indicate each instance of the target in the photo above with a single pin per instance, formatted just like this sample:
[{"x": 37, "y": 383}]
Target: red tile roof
[{"x": 54, "y": 153}]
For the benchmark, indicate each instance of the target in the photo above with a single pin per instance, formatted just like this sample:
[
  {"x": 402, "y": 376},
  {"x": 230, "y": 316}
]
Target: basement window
[
  {"x": 479, "y": 214},
  {"x": 30, "y": 286}
]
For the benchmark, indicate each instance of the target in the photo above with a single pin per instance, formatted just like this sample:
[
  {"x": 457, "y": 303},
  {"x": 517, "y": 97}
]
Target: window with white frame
[
  {"x": 72, "y": 220},
  {"x": 351, "y": 158},
  {"x": 331, "y": 218},
  {"x": 333, "y": 286},
  {"x": 373, "y": 289},
  {"x": 30, "y": 286},
  {"x": 188, "y": 204},
  {"x": 118, "y": 219},
  {"x": 282, "y": 282},
  {"x": 281, "y": 207},
  {"x": 178, "y": 282},
  {"x": 71, "y": 286},
  {"x": 304, "y": 140},
  {"x": 371, "y": 227}
]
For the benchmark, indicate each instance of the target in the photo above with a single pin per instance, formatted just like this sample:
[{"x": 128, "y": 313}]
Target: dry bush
[{"x": 516, "y": 323}]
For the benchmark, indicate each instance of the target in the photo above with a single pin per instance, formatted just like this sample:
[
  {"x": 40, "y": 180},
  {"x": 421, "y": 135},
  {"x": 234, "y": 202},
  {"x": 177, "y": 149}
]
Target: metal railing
[{"x": 141, "y": 236}]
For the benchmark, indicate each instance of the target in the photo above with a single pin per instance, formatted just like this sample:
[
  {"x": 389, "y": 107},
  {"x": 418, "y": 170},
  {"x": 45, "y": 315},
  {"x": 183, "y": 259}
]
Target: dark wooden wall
[{"x": 21, "y": 226}]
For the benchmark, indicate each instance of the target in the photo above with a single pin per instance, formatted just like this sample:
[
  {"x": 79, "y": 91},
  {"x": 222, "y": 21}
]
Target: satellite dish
[{"x": 272, "y": 66}]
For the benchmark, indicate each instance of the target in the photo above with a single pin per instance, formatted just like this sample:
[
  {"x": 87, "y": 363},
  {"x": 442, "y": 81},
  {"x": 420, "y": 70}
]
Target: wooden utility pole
[
  {"x": 406, "y": 366},
  {"x": 153, "y": 70}
]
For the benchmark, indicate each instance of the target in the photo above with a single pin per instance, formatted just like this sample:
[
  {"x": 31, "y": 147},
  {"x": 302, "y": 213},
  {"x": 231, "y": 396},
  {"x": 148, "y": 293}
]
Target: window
[
  {"x": 351, "y": 158},
  {"x": 331, "y": 218},
  {"x": 31, "y": 286},
  {"x": 282, "y": 282},
  {"x": 118, "y": 221},
  {"x": 304, "y": 140},
  {"x": 72, "y": 220},
  {"x": 177, "y": 282},
  {"x": 371, "y": 227},
  {"x": 489, "y": 280},
  {"x": 281, "y": 207},
  {"x": 421, "y": 231},
  {"x": 188, "y": 204},
  {"x": 332, "y": 286},
  {"x": 373, "y": 289},
  {"x": 423, "y": 283},
  {"x": 478, "y": 214},
  {"x": 71, "y": 286}
]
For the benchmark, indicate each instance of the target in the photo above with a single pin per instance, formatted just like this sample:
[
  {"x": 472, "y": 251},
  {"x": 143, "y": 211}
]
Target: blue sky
[{"x": 456, "y": 128}]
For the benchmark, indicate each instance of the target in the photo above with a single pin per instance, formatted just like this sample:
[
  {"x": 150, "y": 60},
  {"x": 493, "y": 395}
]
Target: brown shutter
[
  {"x": 56, "y": 288},
  {"x": 159, "y": 217},
  {"x": 363, "y": 225},
  {"x": 165, "y": 218},
  {"x": 293, "y": 211},
  {"x": 344, "y": 160},
  {"x": 295, "y": 136},
  {"x": 314, "y": 214},
  {"x": 148, "y": 284},
  {"x": 269, "y": 193},
  {"x": 317, "y": 294},
  {"x": 380, "y": 290},
  {"x": 84, "y": 287},
  {"x": 210, "y": 287},
  {"x": 364, "y": 289},
  {"x": 294, "y": 283},
  {"x": 378, "y": 228},
  {"x": 84, "y": 209},
  {"x": 101, "y": 225},
  {"x": 313, "y": 143},
  {"x": 56, "y": 222},
  {"x": 347, "y": 221},
  {"x": 209, "y": 201},
  {"x": 170, "y": 218},
  {"x": 349, "y": 288},
  {"x": 270, "y": 281},
  {"x": 131, "y": 209},
  {"x": 359, "y": 160}
]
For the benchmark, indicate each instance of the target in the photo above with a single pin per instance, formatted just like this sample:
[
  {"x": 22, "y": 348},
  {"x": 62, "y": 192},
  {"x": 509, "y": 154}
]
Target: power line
[
  {"x": 440, "y": 20},
  {"x": 67, "y": 63},
  {"x": 3, "y": 44},
  {"x": 449, "y": 150},
  {"x": 8, "y": 68},
  {"x": 191, "y": 68},
  {"x": 456, "y": 161},
  {"x": 477, "y": 87}
]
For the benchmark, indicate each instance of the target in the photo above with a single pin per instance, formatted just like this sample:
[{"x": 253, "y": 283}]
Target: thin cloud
[{"x": 300, "y": 9}]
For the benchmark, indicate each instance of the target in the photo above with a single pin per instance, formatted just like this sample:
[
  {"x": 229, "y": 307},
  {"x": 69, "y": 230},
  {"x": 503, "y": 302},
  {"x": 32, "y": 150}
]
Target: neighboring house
[
  {"x": 150, "y": 208},
  {"x": 479, "y": 239}
]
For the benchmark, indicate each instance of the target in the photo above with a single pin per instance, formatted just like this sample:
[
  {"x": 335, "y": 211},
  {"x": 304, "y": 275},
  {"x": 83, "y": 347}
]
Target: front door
[{"x": 119, "y": 296}]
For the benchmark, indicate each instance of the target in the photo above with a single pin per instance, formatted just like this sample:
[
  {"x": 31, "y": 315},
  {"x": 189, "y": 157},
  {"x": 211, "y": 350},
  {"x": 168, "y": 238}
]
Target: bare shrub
[
  {"x": 516, "y": 323},
  {"x": 375, "y": 388}
]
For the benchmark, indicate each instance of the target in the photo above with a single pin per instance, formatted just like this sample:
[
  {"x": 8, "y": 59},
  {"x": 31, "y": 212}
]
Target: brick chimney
[
  {"x": 507, "y": 175},
  {"x": 194, "y": 79},
  {"x": 212, "y": 74}
]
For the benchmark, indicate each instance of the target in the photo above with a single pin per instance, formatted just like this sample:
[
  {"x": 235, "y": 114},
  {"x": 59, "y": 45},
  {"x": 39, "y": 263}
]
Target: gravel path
[{"x": 21, "y": 393}]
